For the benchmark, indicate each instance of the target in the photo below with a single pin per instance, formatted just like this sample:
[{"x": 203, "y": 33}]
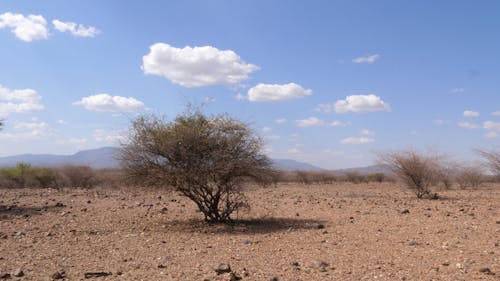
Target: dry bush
[
  {"x": 377, "y": 177},
  {"x": 75, "y": 176},
  {"x": 417, "y": 171},
  {"x": 355, "y": 177},
  {"x": 492, "y": 158},
  {"x": 470, "y": 176},
  {"x": 207, "y": 159}
]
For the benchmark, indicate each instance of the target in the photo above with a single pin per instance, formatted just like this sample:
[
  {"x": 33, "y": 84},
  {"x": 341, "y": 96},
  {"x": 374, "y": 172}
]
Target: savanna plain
[{"x": 337, "y": 231}]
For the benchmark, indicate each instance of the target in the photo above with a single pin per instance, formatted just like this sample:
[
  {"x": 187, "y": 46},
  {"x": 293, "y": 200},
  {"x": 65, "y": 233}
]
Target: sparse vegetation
[
  {"x": 207, "y": 159},
  {"x": 492, "y": 158},
  {"x": 417, "y": 171},
  {"x": 470, "y": 176}
]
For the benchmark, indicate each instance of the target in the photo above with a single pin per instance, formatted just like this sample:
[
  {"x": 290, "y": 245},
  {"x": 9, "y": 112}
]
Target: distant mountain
[
  {"x": 96, "y": 158},
  {"x": 105, "y": 157},
  {"x": 384, "y": 169},
  {"x": 292, "y": 165}
]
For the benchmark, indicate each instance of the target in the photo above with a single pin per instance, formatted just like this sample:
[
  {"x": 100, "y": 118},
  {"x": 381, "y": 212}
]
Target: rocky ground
[{"x": 292, "y": 232}]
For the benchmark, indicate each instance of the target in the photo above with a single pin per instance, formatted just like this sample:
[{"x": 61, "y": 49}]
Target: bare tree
[
  {"x": 469, "y": 176},
  {"x": 417, "y": 171},
  {"x": 207, "y": 159},
  {"x": 492, "y": 158}
]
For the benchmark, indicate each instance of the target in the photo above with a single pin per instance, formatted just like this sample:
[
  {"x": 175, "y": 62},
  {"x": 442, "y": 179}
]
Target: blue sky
[{"x": 331, "y": 83}]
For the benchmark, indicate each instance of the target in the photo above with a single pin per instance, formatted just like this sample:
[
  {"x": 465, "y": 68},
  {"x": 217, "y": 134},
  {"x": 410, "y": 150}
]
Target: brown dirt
[{"x": 136, "y": 235}]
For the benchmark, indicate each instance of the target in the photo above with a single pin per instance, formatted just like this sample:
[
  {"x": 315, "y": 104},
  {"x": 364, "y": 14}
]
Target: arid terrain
[{"x": 292, "y": 232}]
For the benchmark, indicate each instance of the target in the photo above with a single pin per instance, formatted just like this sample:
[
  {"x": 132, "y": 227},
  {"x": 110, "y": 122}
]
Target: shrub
[
  {"x": 206, "y": 159},
  {"x": 76, "y": 176},
  {"x": 470, "y": 176},
  {"x": 492, "y": 159},
  {"x": 418, "y": 172}
]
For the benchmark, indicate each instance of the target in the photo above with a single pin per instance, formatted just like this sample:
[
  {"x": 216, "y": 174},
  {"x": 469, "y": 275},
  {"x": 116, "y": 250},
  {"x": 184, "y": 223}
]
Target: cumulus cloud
[
  {"x": 280, "y": 120},
  {"x": 277, "y": 92},
  {"x": 324, "y": 107},
  {"x": 267, "y": 129},
  {"x": 111, "y": 136},
  {"x": 469, "y": 113},
  {"x": 361, "y": 103},
  {"x": 366, "y": 59},
  {"x": 106, "y": 102},
  {"x": 492, "y": 126},
  {"x": 271, "y": 137},
  {"x": 293, "y": 150},
  {"x": 26, "y": 28},
  {"x": 468, "y": 125},
  {"x": 336, "y": 123},
  {"x": 196, "y": 66},
  {"x": 309, "y": 122},
  {"x": 27, "y": 131},
  {"x": 440, "y": 122},
  {"x": 496, "y": 113},
  {"x": 357, "y": 140},
  {"x": 75, "y": 29},
  {"x": 18, "y": 101}
]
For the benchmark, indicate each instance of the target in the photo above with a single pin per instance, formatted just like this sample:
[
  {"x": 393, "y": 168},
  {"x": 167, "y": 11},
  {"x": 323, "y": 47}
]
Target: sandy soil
[{"x": 292, "y": 232}]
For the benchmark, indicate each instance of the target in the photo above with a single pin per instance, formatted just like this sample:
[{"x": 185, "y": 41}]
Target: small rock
[
  {"x": 58, "y": 275},
  {"x": 446, "y": 263},
  {"x": 59, "y": 204},
  {"x": 405, "y": 211},
  {"x": 321, "y": 265},
  {"x": 316, "y": 225},
  {"x": 163, "y": 210},
  {"x": 89, "y": 275},
  {"x": 162, "y": 266},
  {"x": 18, "y": 273},
  {"x": 486, "y": 270},
  {"x": 4, "y": 276},
  {"x": 222, "y": 268},
  {"x": 246, "y": 242},
  {"x": 274, "y": 279},
  {"x": 234, "y": 277},
  {"x": 459, "y": 266}
]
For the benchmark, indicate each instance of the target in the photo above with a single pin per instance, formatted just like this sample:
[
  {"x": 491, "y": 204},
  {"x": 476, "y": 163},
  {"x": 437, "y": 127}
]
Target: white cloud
[
  {"x": 496, "y": 113},
  {"x": 492, "y": 126},
  {"x": 280, "y": 120},
  {"x": 293, "y": 150},
  {"x": 112, "y": 136},
  {"x": 105, "y": 102},
  {"x": 277, "y": 92},
  {"x": 324, "y": 107},
  {"x": 240, "y": 96},
  {"x": 62, "y": 122},
  {"x": 357, "y": 140},
  {"x": 469, "y": 113},
  {"x": 457, "y": 90},
  {"x": 366, "y": 59},
  {"x": 75, "y": 29},
  {"x": 27, "y": 131},
  {"x": 491, "y": 135},
  {"x": 366, "y": 132},
  {"x": 18, "y": 101},
  {"x": 336, "y": 123},
  {"x": 26, "y": 28},
  {"x": 196, "y": 66},
  {"x": 267, "y": 129},
  {"x": 468, "y": 125},
  {"x": 72, "y": 141},
  {"x": 309, "y": 122},
  {"x": 361, "y": 103}
]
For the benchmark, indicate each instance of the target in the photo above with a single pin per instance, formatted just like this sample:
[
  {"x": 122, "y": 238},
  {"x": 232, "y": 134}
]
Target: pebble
[
  {"x": 18, "y": 273},
  {"x": 58, "y": 275},
  {"x": 486, "y": 270},
  {"x": 405, "y": 211},
  {"x": 222, "y": 268},
  {"x": 4, "y": 276}
]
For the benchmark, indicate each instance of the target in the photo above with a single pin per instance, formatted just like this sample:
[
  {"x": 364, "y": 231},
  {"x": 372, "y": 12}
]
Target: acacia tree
[
  {"x": 207, "y": 159},
  {"x": 492, "y": 158},
  {"x": 417, "y": 171}
]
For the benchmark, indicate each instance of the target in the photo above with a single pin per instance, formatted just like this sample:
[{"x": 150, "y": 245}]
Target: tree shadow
[
  {"x": 246, "y": 226},
  {"x": 12, "y": 211}
]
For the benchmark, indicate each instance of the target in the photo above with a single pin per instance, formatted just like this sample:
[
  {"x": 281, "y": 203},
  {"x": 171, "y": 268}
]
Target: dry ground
[{"x": 155, "y": 235}]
